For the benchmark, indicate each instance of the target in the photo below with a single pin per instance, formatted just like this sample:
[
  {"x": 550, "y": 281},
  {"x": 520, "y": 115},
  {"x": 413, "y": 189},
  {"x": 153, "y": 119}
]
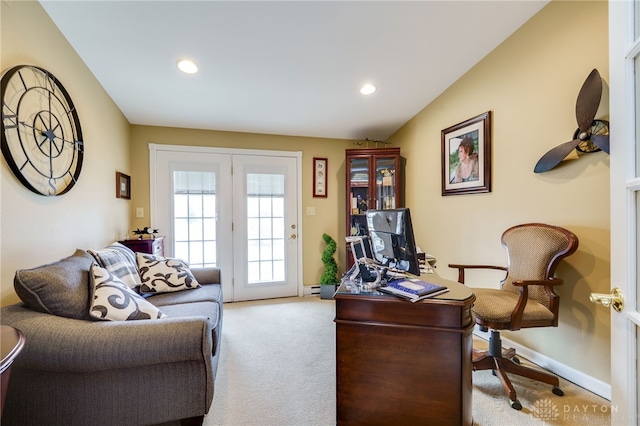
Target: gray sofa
[{"x": 82, "y": 371}]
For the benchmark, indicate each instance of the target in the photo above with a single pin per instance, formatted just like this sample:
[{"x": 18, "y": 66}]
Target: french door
[
  {"x": 624, "y": 70},
  {"x": 234, "y": 209},
  {"x": 268, "y": 233}
]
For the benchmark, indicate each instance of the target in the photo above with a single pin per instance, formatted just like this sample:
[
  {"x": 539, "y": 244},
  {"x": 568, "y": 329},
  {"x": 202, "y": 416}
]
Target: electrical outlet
[
  {"x": 311, "y": 211},
  {"x": 139, "y": 212}
]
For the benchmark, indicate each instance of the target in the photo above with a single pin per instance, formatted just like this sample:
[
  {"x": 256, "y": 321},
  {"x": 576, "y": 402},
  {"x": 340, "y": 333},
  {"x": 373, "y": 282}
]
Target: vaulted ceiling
[{"x": 283, "y": 67}]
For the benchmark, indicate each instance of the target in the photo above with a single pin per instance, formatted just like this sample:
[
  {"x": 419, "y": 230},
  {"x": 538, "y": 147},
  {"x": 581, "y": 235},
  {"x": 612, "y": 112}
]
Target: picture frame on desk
[
  {"x": 320, "y": 177},
  {"x": 466, "y": 156}
]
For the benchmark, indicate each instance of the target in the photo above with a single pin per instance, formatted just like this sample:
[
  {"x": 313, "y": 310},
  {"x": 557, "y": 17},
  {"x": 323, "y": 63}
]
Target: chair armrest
[
  {"x": 209, "y": 275},
  {"x": 550, "y": 281},
  {"x": 523, "y": 285},
  {"x": 461, "y": 269},
  {"x": 56, "y": 343}
]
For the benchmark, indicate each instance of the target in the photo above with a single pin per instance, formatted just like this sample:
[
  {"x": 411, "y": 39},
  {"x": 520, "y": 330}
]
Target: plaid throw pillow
[{"x": 120, "y": 260}]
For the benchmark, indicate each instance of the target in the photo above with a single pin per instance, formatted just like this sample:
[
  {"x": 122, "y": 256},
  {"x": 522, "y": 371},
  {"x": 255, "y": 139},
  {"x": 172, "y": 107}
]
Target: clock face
[{"x": 41, "y": 136}]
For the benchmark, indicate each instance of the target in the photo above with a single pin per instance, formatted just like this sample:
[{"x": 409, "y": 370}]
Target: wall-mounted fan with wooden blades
[{"x": 591, "y": 136}]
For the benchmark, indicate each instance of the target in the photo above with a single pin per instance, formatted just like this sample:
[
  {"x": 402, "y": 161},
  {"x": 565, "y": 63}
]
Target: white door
[
  {"x": 265, "y": 226},
  {"x": 201, "y": 209},
  {"x": 188, "y": 192},
  {"x": 624, "y": 72}
]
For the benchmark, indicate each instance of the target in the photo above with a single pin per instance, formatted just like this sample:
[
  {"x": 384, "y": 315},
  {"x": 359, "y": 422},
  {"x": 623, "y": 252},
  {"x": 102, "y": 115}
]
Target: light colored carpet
[{"x": 277, "y": 368}]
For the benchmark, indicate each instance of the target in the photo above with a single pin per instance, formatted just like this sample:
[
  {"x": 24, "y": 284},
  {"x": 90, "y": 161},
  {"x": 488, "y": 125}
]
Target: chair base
[{"x": 503, "y": 362}]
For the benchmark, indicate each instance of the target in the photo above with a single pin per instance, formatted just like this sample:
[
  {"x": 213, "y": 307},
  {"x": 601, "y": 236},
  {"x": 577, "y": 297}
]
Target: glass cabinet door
[
  {"x": 359, "y": 179},
  {"x": 385, "y": 183}
]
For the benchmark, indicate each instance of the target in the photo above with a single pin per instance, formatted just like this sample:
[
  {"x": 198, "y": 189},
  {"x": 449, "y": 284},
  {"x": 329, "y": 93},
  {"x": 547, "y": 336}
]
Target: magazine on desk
[{"x": 412, "y": 289}]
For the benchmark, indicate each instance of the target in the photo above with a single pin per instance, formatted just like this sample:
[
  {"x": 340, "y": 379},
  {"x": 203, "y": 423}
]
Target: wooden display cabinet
[{"x": 373, "y": 182}]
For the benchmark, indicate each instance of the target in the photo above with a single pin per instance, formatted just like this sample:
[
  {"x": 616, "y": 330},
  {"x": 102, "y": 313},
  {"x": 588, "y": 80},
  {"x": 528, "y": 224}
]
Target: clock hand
[
  {"x": 51, "y": 135},
  {"x": 78, "y": 145},
  {"x": 48, "y": 134}
]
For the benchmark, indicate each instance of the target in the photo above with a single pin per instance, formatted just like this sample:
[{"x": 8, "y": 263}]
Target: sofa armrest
[
  {"x": 56, "y": 343},
  {"x": 209, "y": 275}
]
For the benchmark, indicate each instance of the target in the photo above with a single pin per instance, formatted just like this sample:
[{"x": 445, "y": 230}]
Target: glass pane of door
[
  {"x": 636, "y": 124},
  {"x": 636, "y": 62},
  {"x": 265, "y": 228},
  {"x": 194, "y": 214},
  {"x": 636, "y": 21}
]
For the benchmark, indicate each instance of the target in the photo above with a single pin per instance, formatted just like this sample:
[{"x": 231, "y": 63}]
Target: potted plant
[{"x": 329, "y": 278}]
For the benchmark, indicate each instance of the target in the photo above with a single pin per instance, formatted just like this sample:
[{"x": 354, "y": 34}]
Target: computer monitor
[{"x": 392, "y": 239}]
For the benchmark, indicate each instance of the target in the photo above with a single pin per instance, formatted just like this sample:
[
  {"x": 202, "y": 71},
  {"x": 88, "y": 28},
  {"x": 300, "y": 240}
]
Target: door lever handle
[{"x": 614, "y": 299}]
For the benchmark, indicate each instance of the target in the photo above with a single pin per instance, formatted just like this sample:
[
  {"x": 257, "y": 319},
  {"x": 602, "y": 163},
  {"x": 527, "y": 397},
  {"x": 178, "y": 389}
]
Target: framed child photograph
[{"x": 466, "y": 156}]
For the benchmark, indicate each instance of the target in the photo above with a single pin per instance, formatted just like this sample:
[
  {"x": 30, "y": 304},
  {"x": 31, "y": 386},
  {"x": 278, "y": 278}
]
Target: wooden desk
[
  {"x": 11, "y": 343},
  {"x": 404, "y": 363}
]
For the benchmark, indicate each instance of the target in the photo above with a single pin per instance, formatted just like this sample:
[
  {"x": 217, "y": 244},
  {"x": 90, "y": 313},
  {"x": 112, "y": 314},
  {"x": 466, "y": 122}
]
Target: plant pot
[{"x": 327, "y": 291}]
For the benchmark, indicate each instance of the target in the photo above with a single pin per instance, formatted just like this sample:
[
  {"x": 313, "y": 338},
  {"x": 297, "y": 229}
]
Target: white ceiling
[{"x": 287, "y": 68}]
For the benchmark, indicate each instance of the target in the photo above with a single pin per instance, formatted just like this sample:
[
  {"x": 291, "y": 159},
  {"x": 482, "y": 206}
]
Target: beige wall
[
  {"x": 37, "y": 229},
  {"x": 530, "y": 83},
  {"x": 330, "y": 216}
]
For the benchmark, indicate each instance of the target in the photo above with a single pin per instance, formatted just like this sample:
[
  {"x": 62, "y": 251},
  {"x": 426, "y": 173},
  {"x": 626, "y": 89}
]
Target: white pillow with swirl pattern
[
  {"x": 163, "y": 274},
  {"x": 113, "y": 300}
]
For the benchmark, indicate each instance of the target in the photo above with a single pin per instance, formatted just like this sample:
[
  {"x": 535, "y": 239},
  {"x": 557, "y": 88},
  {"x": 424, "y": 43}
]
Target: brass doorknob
[
  {"x": 613, "y": 299},
  {"x": 293, "y": 236}
]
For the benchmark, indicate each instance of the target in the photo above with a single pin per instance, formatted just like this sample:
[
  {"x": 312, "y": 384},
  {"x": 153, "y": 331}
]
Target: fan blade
[
  {"x": 602, "y": 141},
  {"x": 555, "y": 155},
  {"x": 588, "y": 100}
]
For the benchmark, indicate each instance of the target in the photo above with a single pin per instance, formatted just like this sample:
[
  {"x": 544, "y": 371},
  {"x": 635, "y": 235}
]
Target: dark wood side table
[
  {"x": 404, "y": 363},
  {"x": 152, "y": 246},
  {"x": 11, "y": 343}
]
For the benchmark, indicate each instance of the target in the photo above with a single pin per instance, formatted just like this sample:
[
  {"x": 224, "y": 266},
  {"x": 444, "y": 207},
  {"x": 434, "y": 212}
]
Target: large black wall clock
[{"x": 41, "y": 136}]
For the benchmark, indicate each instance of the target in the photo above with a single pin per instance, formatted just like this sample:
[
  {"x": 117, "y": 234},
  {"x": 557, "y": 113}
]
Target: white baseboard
[
  {"x": 581, "y": 379},
  {"x": 311, "y": 290}
]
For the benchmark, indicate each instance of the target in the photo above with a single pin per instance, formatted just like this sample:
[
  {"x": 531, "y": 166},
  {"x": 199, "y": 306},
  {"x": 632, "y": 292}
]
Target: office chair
[{"x": 526, "y": 298}]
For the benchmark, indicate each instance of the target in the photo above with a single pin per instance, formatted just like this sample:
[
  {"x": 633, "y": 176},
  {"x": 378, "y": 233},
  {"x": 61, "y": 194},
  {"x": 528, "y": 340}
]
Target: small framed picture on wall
[
  {"x": 123, "y": 186},
  {"x": 320, "y": 177}
]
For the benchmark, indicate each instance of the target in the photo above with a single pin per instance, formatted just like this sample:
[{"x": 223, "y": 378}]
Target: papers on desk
[{"x": 413, "y": 290}]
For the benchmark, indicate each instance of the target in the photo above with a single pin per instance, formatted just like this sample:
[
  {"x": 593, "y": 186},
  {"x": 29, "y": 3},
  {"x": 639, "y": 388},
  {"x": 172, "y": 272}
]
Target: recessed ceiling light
[
  {"x": 368, "y": 89},
  {"x": 187, "y": 66}
]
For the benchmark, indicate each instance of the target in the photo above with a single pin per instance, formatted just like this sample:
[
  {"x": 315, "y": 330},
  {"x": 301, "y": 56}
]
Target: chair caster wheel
[
  {"x": 557, "y": 391},
  {"x": 515, "y": 404},
  {"x": 516, "y": 360},
  {"x": 493, "y": 372}
]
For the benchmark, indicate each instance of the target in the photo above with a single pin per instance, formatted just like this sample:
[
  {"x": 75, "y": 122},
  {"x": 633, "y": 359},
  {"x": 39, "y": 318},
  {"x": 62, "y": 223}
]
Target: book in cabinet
[{"x": 373, "y": 178}]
